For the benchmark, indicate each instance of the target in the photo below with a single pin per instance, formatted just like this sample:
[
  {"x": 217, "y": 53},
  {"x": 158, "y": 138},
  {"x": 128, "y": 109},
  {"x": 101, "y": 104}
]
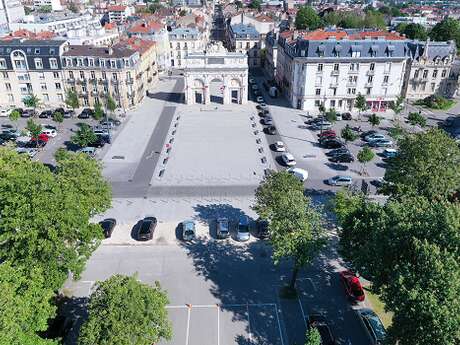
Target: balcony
[
  {"x": 94, "y": 93},
  {"x": 351, "y": 84},
  {"x": 102, "y": 81},
  {"x": 335, "y": 72},
  {"x": 129, "y": 81},
  {"x": 93, "y": 80},
  {"x": 114, "y": 81},
  {"x": 369, "y": 84},
  {"x": 71, "y": 80},
  {"x": 334, "y": 84},
  {"x": 353, "y": 71},
  {"x": 370, "y": 72},
  {"x": 81, "y": 81}
]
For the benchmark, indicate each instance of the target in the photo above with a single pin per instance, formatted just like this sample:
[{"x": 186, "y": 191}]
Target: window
[
  {"x": 333, "y": 103},
  {"x": 38, "y": 63},
  {"x": 71, "y": 75},
  {"x": 60, "y": 97},
  {"x": 320, "y": 67},
  {"x": 385, "y": 91},
  {"x": 58, "y": 86},
  {"x": 104, "y": 76},
  {"x": 46, "y": 97},
  {"x": 82, "y": 75},
  {"x": 80, "y": 62},
  {"x": 84, "y": 89},
  {"x": 370, "y": 79},
  {"x": 113, "y": 64},
  {"x": 37, "y": 50},
  {"x": 388, "y": 67},
  {"x": 368, "y": 91},
  {"x": 43, "y": 87},
  {"x": 56, "y": 75},
  {"x": 114, "y": 76},
  {"x": 416, "y": 73},
  {"x": 317, "y": 103},
  {"x": 372, "y": 66},
  {"x": 318, "y": 92},
  {"x": 10, "y": 98},
  {"x": 93, "y": 75},
  {"x": 8, "y": 86},
  {"x": 336, "y": 67},
  {"x": 385, "y": 79},
  {"x": 425, "y": 74},
  {"x": 443, "y": 74},
  {"x": 90, "y": 62},
  {"x": 41, "y": 76},
  {"x": 433, "y": 86},
  {"x": 53, "y": 63},
  {"x": 5, "y": 75},
  {"x": 2, "y": 63},
  {"x": 435, "y": 73},
  {"x": 356, "y": 54},
  {"x": 334, "y": 91}
]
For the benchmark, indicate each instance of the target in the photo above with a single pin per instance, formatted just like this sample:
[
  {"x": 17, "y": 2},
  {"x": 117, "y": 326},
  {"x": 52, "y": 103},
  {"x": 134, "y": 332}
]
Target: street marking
[
  {"x": 301, "y": 309},
  {"x": 249, "y": 324},
  {"x": 279, "y": 325},
  {"x": 188, "y": 327}
]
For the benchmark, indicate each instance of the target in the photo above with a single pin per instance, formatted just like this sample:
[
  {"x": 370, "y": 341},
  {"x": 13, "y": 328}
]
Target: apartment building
[
  {"x": 31, "y": 67},
  {"x": 183, "y": 41},
  {"x": 332, "y": 67},
  {"x": 430, "y": 69},
  {"x": 119, "y": 13},
  {"x": 97, "y": 72},
  {"x": 244, "y": 38},
  {"x": 55, "y": 5}
]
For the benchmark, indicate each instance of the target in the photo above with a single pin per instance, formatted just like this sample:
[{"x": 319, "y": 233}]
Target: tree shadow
[
  {"x": 337, "y": 166},
  {"x": 174, "y": 97},
  {"x": 71, "y": 313}
]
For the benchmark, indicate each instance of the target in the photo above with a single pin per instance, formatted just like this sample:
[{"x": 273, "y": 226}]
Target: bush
[{"x": 435, "y": 102}]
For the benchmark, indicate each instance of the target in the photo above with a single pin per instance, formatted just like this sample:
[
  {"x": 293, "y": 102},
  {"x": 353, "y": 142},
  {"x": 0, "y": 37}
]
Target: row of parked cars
[{"x": 355, "y": 294}]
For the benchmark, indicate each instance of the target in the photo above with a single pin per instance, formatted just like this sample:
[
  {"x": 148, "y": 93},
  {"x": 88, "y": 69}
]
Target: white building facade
[
  {"x": 183, "y": 41},
  {"x": 55, "y": 5},
  {"x": 10, "y": 11}
]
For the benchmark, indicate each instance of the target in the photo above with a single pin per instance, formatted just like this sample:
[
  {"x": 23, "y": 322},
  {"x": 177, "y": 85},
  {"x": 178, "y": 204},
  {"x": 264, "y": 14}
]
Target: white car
[
  {"x": 279, "y": 146},
  {"x": 288, "y": 159},
  {"x": 5, "y": 112},
  {"x": 51, "y": 133},
  {"x": 340, "y": 180},
  {"x": 31, "y": 152},
  {"x": 301, "y": 174},
  {"x": 242, "y": 231},
  {"x": 375, "y": 136}
]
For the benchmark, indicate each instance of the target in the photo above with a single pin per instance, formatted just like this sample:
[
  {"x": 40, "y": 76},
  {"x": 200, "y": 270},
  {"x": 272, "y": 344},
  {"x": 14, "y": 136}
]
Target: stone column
[{"x": 206, "y": 94}]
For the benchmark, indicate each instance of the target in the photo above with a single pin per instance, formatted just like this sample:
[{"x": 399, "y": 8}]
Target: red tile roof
[
  {"x": 23, "y": 33},
  {"x": 116, "y": 8},
  {"x": 321, "y": 34},
  {"x": 145, "y": 28},
  {"x": 137, "y": 44},
  {"x": 110, "y": 26},
  {"x": 263, "y": 18}
]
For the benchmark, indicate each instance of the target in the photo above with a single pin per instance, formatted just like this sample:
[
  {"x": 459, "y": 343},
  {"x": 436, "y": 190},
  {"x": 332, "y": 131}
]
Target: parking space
[{"x": 225, "y": 325}]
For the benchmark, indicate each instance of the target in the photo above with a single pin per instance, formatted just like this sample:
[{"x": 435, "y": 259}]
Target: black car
[
  {"x": 345, "y": 158},
  {"x": 262, "y": 229},
  {"x": 346, "y": 116},
  {"x": 68, "y": 114},
  {"x": 100, "y": 142},
  {"x": 45, "y": 114},
  {"x": 107, "y": 226},
  {"x": 7, "y": 136},
  {"x": 35, "y": 144},
  {"x": 86, "y": 113},
  {"x": 28, "y": 113},
  {"x": 271, "y": 130},
  {"x": 146, "y": 229},
  {"x": 7, "y": 125},
  {"x": 338, "y": 152},
  {"x": 319, "y": 322},
  {"x": 332, "y": 144},
  {"x": 59, "y": 110},
  {"x": 115, "y": 121}
]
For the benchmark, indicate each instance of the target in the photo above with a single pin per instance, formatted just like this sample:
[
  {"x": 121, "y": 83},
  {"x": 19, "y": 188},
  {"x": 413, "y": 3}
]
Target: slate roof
[
  {"x": 184, "y": 34},
  {"x": 103, "y": 52},
  {"x": 244, "y": 31},
  {"x": 431, "y": 50}
]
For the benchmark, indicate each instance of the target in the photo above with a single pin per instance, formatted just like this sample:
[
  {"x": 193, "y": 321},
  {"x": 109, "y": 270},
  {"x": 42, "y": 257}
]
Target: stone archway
[
  {"x": 216, "y": 90},
  {"x": 198, "y": 91},
  {"x": 235, "y": 90}
]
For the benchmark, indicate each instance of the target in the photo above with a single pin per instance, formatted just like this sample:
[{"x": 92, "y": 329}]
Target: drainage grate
[{"x": 118, "y": 157}]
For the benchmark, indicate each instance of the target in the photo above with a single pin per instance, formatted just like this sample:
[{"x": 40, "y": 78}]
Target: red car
[
  {"x": 352, "y": 286},
  {"x": 327, "y": 133}
]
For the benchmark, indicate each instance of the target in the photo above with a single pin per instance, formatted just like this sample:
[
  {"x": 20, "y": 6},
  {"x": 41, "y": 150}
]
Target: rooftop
[
  {"x": 103, "y": 52},
  {"x": 319, "y": 35},
  {"x": 146, "y": 27},
  {"x": 137, "y": 44},
  {"x": 244, "y": 31},
  {"x": 116, "y": 8}
]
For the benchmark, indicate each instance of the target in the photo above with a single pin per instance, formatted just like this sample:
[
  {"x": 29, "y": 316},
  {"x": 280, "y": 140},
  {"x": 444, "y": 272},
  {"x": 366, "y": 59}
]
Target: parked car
[
  {"x": 262, "y": 229},
  {"x": 35, "y": 143},
  {"x": 188, "y": 230},
  {"x": 324, "y": 125},
  {"x": 12, "y": 131},
  {"x": 374, "y": 136},
  {"x": 346, "y": 116},
  {"x": 28, "y": 113},
  {"x": 352, "y": 285},
  {"x": 146, "y": 229},
  {"x": 340, "y": 180},
  {"x": 337, "y": 152},
  {"x": 373, "y": 325},
  {"x": 301, "y": 174},
  {"x": 327, "y": 136},
  {"x": 381, "y": 143},
  {"x": 264, "y": 112},
  {"x": 271, "y": 130},
  {"x": 45, "y": 114},
  {"x": 332, "y": 144},
  {"x": 327, "y": 133},
  {"x": 242, "y": 231},
  {"x": 319, "y": 322},
  {"x": 260, "y": 99},
  {"x": 7, "y": 136},
  {"x": 51, "y": 133},
  {"x": 5, "y": 112},
  {"x": 100, "y": 142},
  {"x": 31, "y": 152},
  {"x": 7, "y": 125},
  {"x": 279, "y": 146},
  {"x": 100, "y": 131},
  {"x": 222, "y": 228},
  {"x": 86, "y": 113},
  {"x": 389, "y": 153},
  {"x": 344, "y": 158},
  {"x": 367, "y": 133},
  {"x": 268, "y": 121},
  {"x": 107, "y": 226},
  {"x": 288, "y": 159},
  {"x": 68, "y": 114},
  {"x": 90, "y": 151}
]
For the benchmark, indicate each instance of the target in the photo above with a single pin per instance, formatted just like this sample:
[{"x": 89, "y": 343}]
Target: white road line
[
  {"x": 279, "y": 325},
  {"x": 219, "y": 305},
  {"x": 188, "y": 327},
  {"x": 218, "y": 324},
  {"x": 301, "y": 309},
  {"x": 249, "y": 324}
]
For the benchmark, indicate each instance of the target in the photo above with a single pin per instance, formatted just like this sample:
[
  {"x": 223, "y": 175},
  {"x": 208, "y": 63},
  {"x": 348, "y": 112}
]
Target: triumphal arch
[{"x": 216, "y": 76}]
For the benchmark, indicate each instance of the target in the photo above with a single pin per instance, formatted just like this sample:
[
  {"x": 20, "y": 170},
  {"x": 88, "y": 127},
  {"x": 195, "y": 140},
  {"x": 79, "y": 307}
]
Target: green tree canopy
[
  {"x": 24, "y": 305},
  {"x": 332, "y": 18},
  {"x": 307, "y": 18},
  {"x": 448, "y": 29},
  {"x": 416, "y": 119},
  {"x": 313, "y": 337},
  {"x": 71, "y": 99},
  {"x": 397, "y": 106},
  {"x": 295, "y": 226},
  {"x": 46, "y": 215},
  {"x": 84, "y": 136},
  {"x": 31, "y": 101},
  {"x": 34, "y": 128},
  {"x": 98, "y": 112},
  {"x": 255, "y": 4},
  {"x": 124, "y": 311},
  {"x": 348, "y": 134},
  {"x": 111, "y": 104},
  {"x": 413, "y": 31},
  {"x": 360, "y": 102},
  {"x": 427, "y": 164},
  {"x": 374, "y": 120},
  {"x": 331, "y": 115},
  {"x": 58, "y": 117},
  {"x": 365, "y": 156},
  {"x": 14, "y": 116}
]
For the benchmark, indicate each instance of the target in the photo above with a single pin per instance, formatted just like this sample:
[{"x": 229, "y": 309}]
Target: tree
[
  {"x": 25, "y": 305},
  {"x": 360, "y": 103},
  {"x": 331, "y": 115},
  {"x": 416, "y": 118},
  {"x": 238, "y": 4},
  {"x": 182, "y": 13},
  {"x": 31, "y": 101},
  {"x": 313, "y": 337},
  {"x": 58, "y": 117},
  {"x": 351, "y": 21},
  {"x": 365, "y": 156},
  {"x": 413, "y": 31},
  {"x": 307, "y": 18},
  {"x": 123, "y": 310},
  {"x": 295, "y": 226},
  {"x": 374, "y": 120},
  {"x": 448, "y": 29},
  {"x": 46, "y": 215},
  {"x": 332, "y": 18},
  {"x": 35, "y": 129},
  {"x": 397, "y": 132},
  {"x": 45, "y": 9},
  {"x": 375, "y": 20},
  {"x": 111, "y": 105},
  {"x": 14, "y": 116},
  {"x": 255, "y": 4},
  {"x": 98, "y": 112},
  {"x": 84, "y": 136},
  {"x": 426, "y": 164},
  {"x": 397, "y": 106},
  {"x": 348, "y": 134},
  {"x": 71, "y": 99}
]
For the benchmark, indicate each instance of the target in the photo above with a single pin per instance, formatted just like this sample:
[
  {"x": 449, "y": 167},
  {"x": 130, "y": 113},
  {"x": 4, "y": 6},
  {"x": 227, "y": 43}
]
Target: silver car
[
  {"x": 340, "y": 180},
  {"x": 242, "y": 233},
  {"x": 188, "y": 230},
  {"x": 222, "y": 228}
]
